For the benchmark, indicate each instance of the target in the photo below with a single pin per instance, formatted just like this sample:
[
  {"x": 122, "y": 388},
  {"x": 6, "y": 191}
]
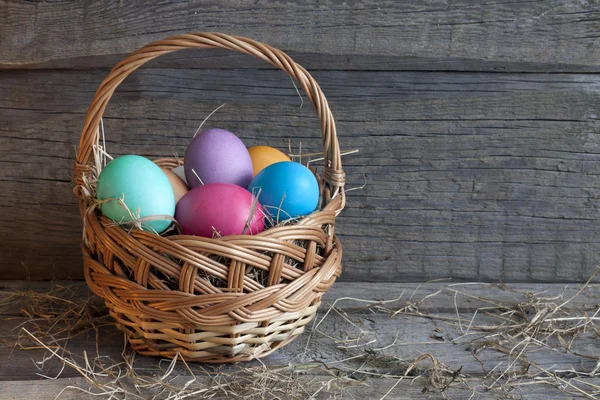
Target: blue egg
[
  {"x": 144, "y": 188},
  {"x": 287, "y": 190}
]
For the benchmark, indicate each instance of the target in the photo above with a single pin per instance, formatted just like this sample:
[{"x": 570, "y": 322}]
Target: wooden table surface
[{"x": 355, "y": 350}]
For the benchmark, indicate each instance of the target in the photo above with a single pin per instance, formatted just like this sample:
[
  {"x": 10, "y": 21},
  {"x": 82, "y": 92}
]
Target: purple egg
[{"x": 217, "y": 156}]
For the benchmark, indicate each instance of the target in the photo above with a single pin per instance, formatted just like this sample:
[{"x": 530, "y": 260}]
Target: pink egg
[
  {"x": 219, "y": 207},
  {"x": 217, "y": 156}
]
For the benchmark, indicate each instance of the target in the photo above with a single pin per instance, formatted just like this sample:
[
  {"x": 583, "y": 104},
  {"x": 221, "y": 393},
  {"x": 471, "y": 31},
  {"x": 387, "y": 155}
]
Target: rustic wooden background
[{"x": 477, "y": 122}]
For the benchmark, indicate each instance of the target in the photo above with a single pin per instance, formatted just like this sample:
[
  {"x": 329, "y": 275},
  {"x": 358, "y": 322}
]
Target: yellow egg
[
  {"x": 178, "y": 185},
  {"x": 263, "y": 156}
]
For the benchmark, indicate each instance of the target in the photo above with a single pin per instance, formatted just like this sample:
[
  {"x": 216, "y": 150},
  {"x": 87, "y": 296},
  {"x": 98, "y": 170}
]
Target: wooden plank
[
  {"x": 225, "y": 59},
  {"x": 374, "y": 388},
  {"x": 473, "y": 176},
  {"x": 409, "y": 337},
  {"x": 430, "y": 35},
  {"x": 414, "y": 333},
  {"x": 442, "y": 302}
]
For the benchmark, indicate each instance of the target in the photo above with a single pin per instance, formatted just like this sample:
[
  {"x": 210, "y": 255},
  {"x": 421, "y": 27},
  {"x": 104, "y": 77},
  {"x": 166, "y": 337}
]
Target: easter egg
[
  {"x": 287, "y": 190},
  {"x": 178, "y": 185},
  {"x": 217, "y": 156},
  {"x": 263, "y": 156},
  {"x": 144, "y": 188},
  {"x": 219, "y": 209}
]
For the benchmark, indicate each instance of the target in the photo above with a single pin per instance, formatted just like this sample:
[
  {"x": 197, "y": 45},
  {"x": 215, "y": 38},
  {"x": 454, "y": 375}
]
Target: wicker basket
[{"x": 213, "y": 300}]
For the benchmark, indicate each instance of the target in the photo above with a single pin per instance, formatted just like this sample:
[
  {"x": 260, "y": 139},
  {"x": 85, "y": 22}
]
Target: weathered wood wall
[{"x": 478, "y": 124}]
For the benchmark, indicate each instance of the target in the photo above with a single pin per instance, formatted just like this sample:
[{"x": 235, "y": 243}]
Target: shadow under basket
[{"x": 226, "y": 299}]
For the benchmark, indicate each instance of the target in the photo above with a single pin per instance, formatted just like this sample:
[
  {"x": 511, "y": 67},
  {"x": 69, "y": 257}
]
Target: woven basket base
[
  {"x": 206, "y": 344},
  {"x": 141, "y": 348}
]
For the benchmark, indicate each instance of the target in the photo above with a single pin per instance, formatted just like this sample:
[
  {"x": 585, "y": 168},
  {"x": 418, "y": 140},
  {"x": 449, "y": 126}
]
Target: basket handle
[{"x": 333, "y": 173}]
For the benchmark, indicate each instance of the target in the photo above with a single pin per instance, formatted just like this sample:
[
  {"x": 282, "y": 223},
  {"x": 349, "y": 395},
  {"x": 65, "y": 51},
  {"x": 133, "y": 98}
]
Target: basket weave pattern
[{"x": 214, "y": 300}]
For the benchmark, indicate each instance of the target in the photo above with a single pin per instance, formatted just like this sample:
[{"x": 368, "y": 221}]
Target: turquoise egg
[
  {"x": 287, "y": 190},
  {"x": 143, "y": 186}
]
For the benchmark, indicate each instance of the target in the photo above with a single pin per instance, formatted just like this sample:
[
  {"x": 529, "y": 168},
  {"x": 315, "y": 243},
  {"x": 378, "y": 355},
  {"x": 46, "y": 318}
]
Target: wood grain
[
  {"x": 374, "y": 388},
  {"x": 470, "y": 175},
  {"x": 410, "y": 335},
  {"x": 362, "y": 34}
]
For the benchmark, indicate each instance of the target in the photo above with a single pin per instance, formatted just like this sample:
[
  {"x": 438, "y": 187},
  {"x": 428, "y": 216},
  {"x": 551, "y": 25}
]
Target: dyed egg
[
  {"x": 287, "y": 190},
  {"x": 217, "y": 156},
  {"x": 178, "y": 185},
  {"x": 263, "y": 156},
  {"x": 221, "y": 209},
  {"x": 144, "y": 188}
]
